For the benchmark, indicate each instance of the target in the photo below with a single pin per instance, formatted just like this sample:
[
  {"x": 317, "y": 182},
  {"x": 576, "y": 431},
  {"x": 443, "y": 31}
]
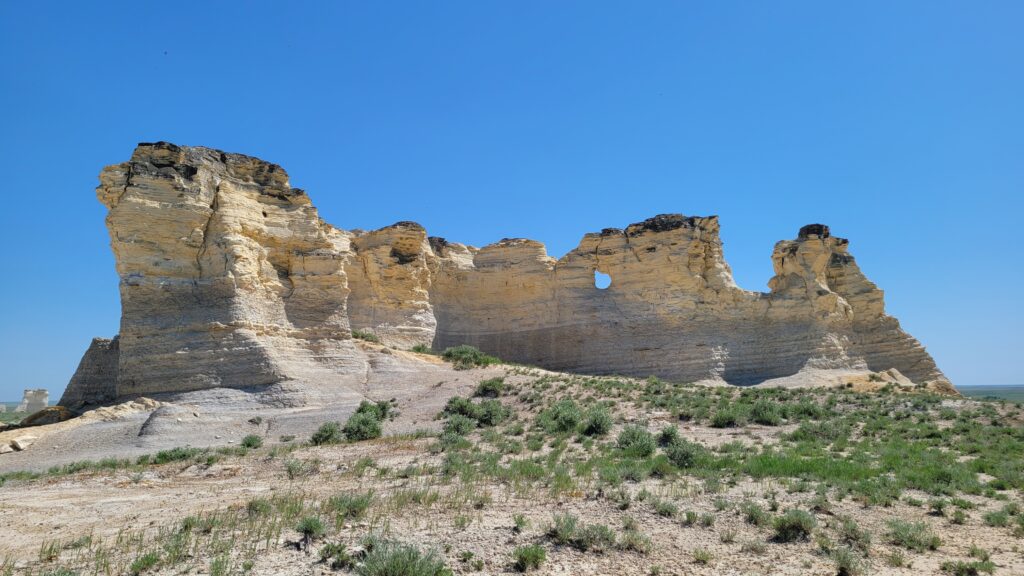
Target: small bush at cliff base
[
  {"x": 252, "y": 441},
  {"x": 365, "y": 335},
  {"x": 490, "y": 388},
  {"x": 327, "y": 433},
  {"x": 529, "y": 557},
  {"x": 379, "y": 410},
  {"x": 466, "y": 357},
  {"x": 362, "y": 426}
]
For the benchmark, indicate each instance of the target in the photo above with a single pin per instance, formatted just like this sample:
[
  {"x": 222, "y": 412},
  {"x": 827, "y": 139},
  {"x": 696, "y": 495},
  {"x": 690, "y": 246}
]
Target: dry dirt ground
[{"x": 102, "y": 521}]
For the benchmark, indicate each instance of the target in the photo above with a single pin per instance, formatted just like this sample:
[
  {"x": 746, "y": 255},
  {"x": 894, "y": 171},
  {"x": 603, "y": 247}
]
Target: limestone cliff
[{"x": 229, "y": 278}]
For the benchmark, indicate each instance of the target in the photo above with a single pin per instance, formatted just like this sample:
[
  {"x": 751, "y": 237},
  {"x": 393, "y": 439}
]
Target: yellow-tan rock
[{"x": 229, "y": 278}]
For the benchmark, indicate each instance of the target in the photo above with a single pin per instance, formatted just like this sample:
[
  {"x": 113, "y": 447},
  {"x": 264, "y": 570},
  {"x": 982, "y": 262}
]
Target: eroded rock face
[
  {"x": 34, "y": 401},
  {"x": 229, "y": 278}
]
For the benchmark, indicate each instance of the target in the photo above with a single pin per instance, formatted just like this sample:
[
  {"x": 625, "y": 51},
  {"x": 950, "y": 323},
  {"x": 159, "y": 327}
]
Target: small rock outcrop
[
  {"x": 34, "y": 401},
  {"x": 229, "y": 278}
]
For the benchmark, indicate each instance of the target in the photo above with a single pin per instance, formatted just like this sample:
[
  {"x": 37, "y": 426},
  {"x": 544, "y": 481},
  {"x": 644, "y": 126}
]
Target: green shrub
[
  {"x": 349, "y": 506},
  {"x": 459, "y": 425},
  {"x": 379, "y": 410},
  {"x": 311, "y": 528},
  {"x": 423, "y": 349},
  {"x": 327, "y": 433},
  {"x": 853, "y": 535},
  {"x": 683, "y": 453},
  {"x": 563, "y": 529},
  {"x": 595, "y": 538},
  {"x": 362, "y": 426},
  {"x": 492, "y": 413},
  {"x": 490, "y": 388},
  {"x": 728, "y": 417},
  {"x": 528, "y": 557},
  {"x": 365, "y": 335},
  {"x": 394, "y": 559},
  {"x": 562, "y": 416},
  {"x": 636, "y": 441},
  {"x": 597, "y": 421},
  {"x": 173, "y": 455},
  {"x": 252, "y": 441},
  {"x": 337, "y": 555},
  {"x": 766, "y": 412},
  {"x": 754, "y": 514},
  {"x": 961, "y": 568},
  {"x": 669, "y": 435},
  {"x": 847, "y": 562},
  {"x": 794, "y": 525},
  {"x": 259, "y": 507},
  {"x": 465, "y": 357},
  {"x": 913, "y": 535}
]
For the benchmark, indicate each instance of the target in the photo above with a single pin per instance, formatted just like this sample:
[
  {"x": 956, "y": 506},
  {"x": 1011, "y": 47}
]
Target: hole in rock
[{"x": 602, "y": 280}]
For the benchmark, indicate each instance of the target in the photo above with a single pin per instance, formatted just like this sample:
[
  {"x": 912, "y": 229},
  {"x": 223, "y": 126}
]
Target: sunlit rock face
[{"x": 229, "y": 278}]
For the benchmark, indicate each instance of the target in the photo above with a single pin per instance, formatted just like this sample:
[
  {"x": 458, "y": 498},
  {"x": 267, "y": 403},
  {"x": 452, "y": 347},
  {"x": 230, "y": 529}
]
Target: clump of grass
[
  {"x": 311, "y": 528},
  {"x": 336, "y": 555},
  {"x": 365, "y": 335},
  {"x": 528, "y": 557},
  {"x": 728, "y": 417},
  {"x": 754, "y": 514},
  {"x": 562, "y": 416},
  {"x": 423, "y": 349},
  {"x": 144, "y": 563},
  {"x": 327, "y": 433},
  {"x": 348, "y": 506},
  {"x": 683, "y": 453},
  {"x": 520, "y": 522},
  {"x": 362, "y": 426},
  {"x": 635, "y": 441},
  {"x": 766, "y": 412},
  {"x": 702, "y": 556},
  {"x": 853, "y": 535},
  {"x": 395, "y": 559},
  {"x": 596, "y": 422},
  {"x": 465, "y": 357},
  {"x": 793, "y": 526},
  {"x": 252, "y": 441},
  {"x": 912, "y": 535},
  {"x": 490, "y": 388},
  {"x": 632, "y": 538},
  {"x": 961, "y": 568},
  {"x": 847, "y": 562},
  {"x": 563, "y": 529},
  {"x": 259, "y": 507}
]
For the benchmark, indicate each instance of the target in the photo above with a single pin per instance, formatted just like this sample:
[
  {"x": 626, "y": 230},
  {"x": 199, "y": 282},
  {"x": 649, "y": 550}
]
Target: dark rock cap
[{"x": 819, "y": 230}]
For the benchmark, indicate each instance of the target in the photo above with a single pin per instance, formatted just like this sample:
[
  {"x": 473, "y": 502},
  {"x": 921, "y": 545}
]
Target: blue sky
[{"x": 899, "y": 124}]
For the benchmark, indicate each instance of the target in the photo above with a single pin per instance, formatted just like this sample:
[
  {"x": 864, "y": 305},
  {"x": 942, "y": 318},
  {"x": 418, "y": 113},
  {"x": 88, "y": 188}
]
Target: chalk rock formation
[
  {"x": 34, "y": 401},
  {"x": 229, "y": 278}
]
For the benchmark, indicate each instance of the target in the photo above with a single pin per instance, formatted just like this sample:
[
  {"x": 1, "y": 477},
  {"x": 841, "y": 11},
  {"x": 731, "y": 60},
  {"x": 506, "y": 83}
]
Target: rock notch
[{"x": 229, "y": 278}]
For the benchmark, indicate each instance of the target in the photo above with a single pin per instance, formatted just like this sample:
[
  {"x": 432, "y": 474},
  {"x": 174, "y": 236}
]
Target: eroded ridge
[{"x": 229, "y": 278}]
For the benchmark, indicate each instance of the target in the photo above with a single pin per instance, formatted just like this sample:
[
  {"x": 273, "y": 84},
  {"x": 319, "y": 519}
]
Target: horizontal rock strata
[{"x": 229, "y": 278}]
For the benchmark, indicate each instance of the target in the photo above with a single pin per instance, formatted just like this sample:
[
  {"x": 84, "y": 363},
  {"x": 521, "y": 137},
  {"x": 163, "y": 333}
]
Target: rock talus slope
[{"x": 229, "y": 278}]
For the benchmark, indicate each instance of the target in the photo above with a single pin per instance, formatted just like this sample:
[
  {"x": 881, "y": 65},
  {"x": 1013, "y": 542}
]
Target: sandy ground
[{"x": 107, "y": 504}]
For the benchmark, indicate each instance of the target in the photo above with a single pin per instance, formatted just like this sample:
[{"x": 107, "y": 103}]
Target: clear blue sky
[{"x": 899, "y": 124}]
